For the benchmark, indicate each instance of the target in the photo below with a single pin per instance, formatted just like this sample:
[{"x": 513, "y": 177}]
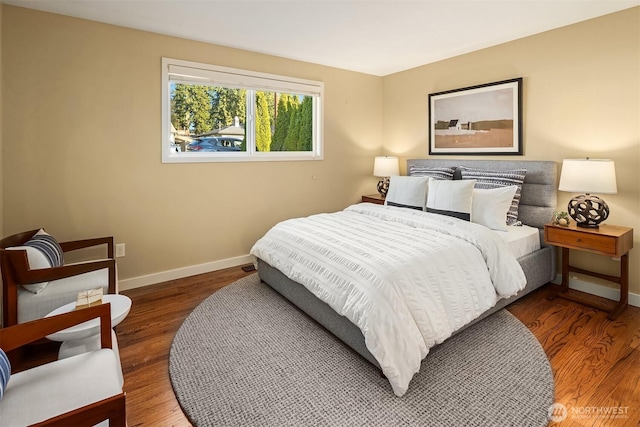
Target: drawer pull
[{"x": 578, "y": 240}]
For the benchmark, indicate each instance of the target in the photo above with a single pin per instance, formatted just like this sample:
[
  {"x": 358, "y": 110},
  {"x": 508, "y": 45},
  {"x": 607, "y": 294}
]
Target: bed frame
[{"x": 537, "y": 203}]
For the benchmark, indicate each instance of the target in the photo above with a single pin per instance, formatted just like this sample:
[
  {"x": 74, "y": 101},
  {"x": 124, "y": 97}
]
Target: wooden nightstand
[
  {"x": 609, "y": 240},
  {"x": 373, "y": 198}
]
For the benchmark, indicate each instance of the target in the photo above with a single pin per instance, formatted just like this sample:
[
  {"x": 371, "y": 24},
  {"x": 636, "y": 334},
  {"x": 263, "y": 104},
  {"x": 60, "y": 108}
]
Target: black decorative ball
[{"x": 588, "y": 210}]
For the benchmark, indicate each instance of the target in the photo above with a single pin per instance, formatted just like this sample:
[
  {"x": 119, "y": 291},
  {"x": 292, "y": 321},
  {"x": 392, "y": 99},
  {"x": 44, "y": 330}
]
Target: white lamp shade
[
  {"x": 592, "y": 176},
  {"x": 386, "y": 166}
]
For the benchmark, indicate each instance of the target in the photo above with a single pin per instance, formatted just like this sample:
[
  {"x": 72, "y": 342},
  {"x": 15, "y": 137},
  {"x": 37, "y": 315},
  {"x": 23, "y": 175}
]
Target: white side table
[{"x": 86, "y": 336}]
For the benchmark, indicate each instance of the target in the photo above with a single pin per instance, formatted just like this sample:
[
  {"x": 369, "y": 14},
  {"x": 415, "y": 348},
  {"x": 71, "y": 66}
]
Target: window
[{"x": 212, "y": 114}]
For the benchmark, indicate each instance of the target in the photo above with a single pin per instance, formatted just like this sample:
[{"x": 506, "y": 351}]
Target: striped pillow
[
  {"x": 5, "y": 372},
  {"x": 49, "y": 247},
  {"x": 43, "y": 251},
  {"x": 490, "y": 179},
  {"x": 433, "y": 172}
]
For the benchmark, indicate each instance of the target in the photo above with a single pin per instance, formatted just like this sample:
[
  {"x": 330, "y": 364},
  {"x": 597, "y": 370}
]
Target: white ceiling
[{"x": 377, "y": 37}]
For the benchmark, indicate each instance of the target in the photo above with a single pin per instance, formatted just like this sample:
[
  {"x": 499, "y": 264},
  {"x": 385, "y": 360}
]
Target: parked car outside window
[{"x": 215, "y": 143}]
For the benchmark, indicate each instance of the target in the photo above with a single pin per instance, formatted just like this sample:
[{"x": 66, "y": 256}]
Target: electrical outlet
[{"x": 119, "y": 250}]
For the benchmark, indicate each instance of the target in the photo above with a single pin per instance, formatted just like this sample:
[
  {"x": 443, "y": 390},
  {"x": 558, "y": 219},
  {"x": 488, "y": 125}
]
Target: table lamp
[
  {"x": 588, "y": 176},
  {"x": 384, "y": 167}
]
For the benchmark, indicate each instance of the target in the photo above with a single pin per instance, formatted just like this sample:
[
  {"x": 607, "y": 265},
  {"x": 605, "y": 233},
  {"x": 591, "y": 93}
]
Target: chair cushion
[
  {"x": 72, "y": 348},
  {"x": 58, "y": 387},
  {"x": 5, "y": 371},
  {"x": 58, "y": 293}
]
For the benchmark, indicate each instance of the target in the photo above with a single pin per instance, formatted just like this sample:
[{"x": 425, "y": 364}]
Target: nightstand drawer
[{"x": 581, "y": 240}]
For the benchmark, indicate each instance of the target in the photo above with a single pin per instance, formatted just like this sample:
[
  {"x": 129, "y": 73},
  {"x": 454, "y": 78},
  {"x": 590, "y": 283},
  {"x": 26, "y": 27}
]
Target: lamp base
[
  {"x": 383, "y": 186},
  {"x": 588, "y": 211}
]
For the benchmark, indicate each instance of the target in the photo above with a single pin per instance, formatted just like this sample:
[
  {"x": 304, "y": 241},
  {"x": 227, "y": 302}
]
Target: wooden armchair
[
  {"x": 81, "y": 390},
  {"x": 64, "y": 282}
]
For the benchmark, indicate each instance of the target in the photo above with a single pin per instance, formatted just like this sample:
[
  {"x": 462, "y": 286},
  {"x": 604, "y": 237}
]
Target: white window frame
[{"x": 194, "y": 72}]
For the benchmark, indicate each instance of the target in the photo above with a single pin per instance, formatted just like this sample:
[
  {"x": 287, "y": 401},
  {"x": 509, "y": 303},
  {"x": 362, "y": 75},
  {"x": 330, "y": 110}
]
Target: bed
[{"x": 537, "y": 203}]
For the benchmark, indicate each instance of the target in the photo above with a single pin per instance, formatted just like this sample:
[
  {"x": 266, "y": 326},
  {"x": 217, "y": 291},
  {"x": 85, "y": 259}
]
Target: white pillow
[
  {"x": 487, "y": 178},
  {"x": 452, "y": 198},
  {"x": 407, "y": 191},
  {"x": 37, "y": 260},
  {"x": 490, "y": 207}
]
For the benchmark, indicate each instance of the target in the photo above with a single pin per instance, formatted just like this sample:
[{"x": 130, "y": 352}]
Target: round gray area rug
[{"x": 247, "y": 357}]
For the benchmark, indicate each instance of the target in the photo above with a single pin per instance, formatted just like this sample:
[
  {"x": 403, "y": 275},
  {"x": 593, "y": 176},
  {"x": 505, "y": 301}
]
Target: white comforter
[{"x": 408, "y": 279}]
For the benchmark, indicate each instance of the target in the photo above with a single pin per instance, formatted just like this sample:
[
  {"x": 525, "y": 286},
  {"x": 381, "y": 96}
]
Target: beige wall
[
  {"x": 581, "y": 98},
  {"x": 82, "y": 136},
  {"x": 82, "y": 151}
]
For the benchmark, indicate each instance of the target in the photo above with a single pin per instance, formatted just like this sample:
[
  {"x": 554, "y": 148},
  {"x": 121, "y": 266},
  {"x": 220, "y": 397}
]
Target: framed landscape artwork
[{"x": 483, "y": 119}]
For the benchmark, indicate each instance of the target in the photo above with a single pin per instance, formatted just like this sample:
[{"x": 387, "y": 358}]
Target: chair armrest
[
  {"x": 26, "y": 277},
  {"x": 87, "y": 243},
  {"x": 112, "y": 408},
  {"x": 16, "y": 336}
]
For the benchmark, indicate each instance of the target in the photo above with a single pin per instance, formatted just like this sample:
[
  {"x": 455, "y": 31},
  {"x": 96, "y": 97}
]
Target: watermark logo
[{"x": 557, "y": 412}]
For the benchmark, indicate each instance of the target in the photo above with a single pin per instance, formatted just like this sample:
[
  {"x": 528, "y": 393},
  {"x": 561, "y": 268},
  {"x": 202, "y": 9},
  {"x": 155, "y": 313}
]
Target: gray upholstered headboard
[{"x": 539, "y": 195}]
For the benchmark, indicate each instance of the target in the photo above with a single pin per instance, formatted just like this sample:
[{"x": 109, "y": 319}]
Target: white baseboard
[
  {"x": 179, "y": 273},
  {"x": 599, "y": 290}
]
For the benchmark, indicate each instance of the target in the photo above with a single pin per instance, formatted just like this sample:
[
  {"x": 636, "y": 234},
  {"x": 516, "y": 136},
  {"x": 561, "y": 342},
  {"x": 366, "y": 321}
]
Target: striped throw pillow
[
  {"x": 490, "y": 179},
  {"x": 49, "y": 247},
  {"x": 5, "y": 372},
  {"x": 433, "y": 172}
]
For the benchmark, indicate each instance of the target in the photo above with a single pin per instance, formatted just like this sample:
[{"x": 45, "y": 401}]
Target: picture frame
[{"x": 477, "y": 120}]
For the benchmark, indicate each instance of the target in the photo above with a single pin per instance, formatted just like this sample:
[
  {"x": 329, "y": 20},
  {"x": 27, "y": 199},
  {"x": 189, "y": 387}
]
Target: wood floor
[
  {"x": 596, "y": 362},
  {"x": 145, "y": 338}
]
